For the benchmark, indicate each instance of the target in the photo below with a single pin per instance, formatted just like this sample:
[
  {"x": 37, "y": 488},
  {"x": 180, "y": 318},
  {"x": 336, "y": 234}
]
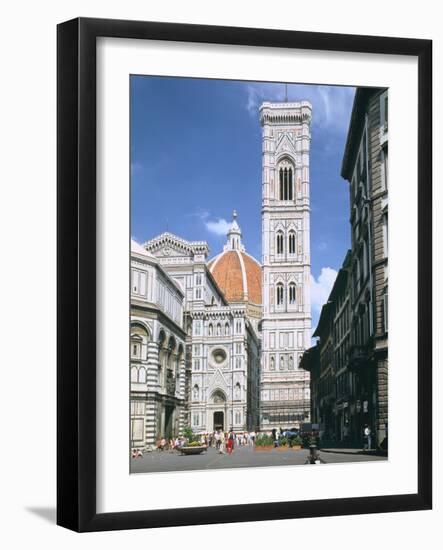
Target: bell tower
[{"x": 286, "y": 324}]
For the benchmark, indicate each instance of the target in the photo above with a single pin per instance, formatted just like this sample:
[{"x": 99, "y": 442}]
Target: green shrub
[
  {"x": 263, "y": 440},
  {"x": 296, "y": 440},
  {"x": 283, "y": 441},
  {"x": 193, "y": 444},
  {"x": 189, "y": 434}
]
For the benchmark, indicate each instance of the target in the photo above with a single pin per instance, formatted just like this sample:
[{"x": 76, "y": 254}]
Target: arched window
[
  {"x": 134, "y": 374},
  {"x": 195, "y": 392},
  {"x": 210, "y": 330},
  {"x": 286, "y": 183},
  {"x": 279, "y": 294},
  {"x": 292, "y": 298},
  {"x": 227, "y": 329},
  {"x": 218, "y": 329},
  {"x": 291, "y": 242},
  {"x": 280, "y": 241}
]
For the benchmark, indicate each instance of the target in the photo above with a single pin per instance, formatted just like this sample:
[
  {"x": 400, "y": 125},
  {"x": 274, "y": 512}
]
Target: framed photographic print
[{"x": 244, "y": 274}]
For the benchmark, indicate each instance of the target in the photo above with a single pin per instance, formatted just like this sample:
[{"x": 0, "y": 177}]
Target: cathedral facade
[{"x": 216, "y": 343}]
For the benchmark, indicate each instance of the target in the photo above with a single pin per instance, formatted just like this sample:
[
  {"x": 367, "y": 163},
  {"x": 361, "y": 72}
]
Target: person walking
[
  {"x": 221, "y": 443},
  {"x": 367, "y": 433},
  {"x": 230, "y": 444}
]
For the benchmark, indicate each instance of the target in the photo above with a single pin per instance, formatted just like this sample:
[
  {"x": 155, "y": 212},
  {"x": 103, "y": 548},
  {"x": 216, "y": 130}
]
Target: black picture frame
[{"x": 76, "y": 280}]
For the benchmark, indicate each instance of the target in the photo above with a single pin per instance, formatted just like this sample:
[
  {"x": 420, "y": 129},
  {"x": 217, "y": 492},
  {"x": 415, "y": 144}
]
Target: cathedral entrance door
[{"x": 219, "y": 421}]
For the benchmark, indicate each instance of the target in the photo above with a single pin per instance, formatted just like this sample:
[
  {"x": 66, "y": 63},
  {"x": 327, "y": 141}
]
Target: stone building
[
  {"x": 286, "y": 323},
  {"x": 355, "y": 319},
  {"x": 365, "y": 167},
  {"x": 157, "y": 351},
  {"x": 333, "y": 389}
]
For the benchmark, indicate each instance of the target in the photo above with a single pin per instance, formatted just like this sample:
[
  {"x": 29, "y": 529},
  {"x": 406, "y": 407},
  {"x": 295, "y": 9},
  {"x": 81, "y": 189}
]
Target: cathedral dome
[{"x": 237, "y": 273}]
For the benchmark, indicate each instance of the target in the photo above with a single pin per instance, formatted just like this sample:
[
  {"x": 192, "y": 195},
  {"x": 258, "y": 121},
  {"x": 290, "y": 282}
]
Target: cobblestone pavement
[{"x": 242, "y": 457}]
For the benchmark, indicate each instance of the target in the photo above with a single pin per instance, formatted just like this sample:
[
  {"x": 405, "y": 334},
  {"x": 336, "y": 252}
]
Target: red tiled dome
[{"x": 238, "y": 275}]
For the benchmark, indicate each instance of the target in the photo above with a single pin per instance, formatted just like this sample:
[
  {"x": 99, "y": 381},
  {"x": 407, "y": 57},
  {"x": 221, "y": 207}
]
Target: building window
[
  {"x": 218, "y": 329},
  {"x": 292, "y": 242},
  {"x": 292, "y": 293},
  {"x": 134, "y": 374},
  {"x": 238, "y": 347},
  {"x": 385, "y": 310},
  {"x": 238, "y": 362},
  {"x": 286, "y": 183},
  {"x": 195, "y": 419},
  {"x": 196, "y": 364},
  {"x": 198, "y": 279},
  {"x": 198, "y": 293},
  {"x": 280, "y": 241},
  {"x": 384, "y": 111},
  {"x": 385, "y": 235},
  {"x": 226, "y": 329},
  {"x": 210, "y": 330},
  {"x": 238, "y": 327},
  {"x": 142, "y": 375},
  {"x": 279, "y": 294},
  {"x": 136, "y": 350},
  {"x": 384, "y": 167},
  {"x": 197, "y": 328}
]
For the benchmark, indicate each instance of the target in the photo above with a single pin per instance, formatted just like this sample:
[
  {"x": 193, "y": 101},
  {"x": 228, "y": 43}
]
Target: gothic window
[
  {"x": 279, "y": 294},
  {"x": 210, "y": 330},
  {"x": 280, "y": 242},
  {"x": 227, "y": 329},
  {"x": 286, "y": 183},
  {"x": 291, "y": 242},
  {"x": 292, "y": 293},
  {"x": 218, "y": 329}
]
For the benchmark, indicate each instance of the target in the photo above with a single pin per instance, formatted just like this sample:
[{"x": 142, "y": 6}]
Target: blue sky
[{"x": 196, "y": 155}]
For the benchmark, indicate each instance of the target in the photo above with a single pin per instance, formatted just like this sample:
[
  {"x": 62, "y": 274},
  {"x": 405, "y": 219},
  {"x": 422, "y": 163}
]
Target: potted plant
[
  {"x": 282, "y": 444},
  {"x": 263, "y": 442},
  {"x": 192, "y": 445},
  {"x": 295, "y": 443}
]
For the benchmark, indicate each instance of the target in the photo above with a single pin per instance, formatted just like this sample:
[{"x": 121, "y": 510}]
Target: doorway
[{"x": 219, "y": 421}]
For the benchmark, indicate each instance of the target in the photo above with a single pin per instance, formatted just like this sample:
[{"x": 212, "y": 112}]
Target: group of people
[{"x": 223, "y": 442}]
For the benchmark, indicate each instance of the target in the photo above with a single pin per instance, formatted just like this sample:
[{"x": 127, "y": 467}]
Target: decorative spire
[{"x": 234, "y": 235}]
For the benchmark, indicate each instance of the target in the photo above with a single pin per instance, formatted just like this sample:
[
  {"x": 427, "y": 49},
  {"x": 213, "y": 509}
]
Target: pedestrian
[
  {"x": 230, "y": 444},
  {"x": 221, "y": 443},
  {"x": 367, "y": 433}
]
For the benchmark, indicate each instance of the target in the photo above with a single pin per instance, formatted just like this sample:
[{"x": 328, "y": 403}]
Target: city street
[{"x": 242, "y": 457}]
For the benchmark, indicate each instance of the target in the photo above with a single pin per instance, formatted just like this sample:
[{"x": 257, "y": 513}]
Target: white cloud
[
  {"x": 219, "y": 227},
  {"x": 321, "y": 287},
  {"x": 331, "y": 104}
]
